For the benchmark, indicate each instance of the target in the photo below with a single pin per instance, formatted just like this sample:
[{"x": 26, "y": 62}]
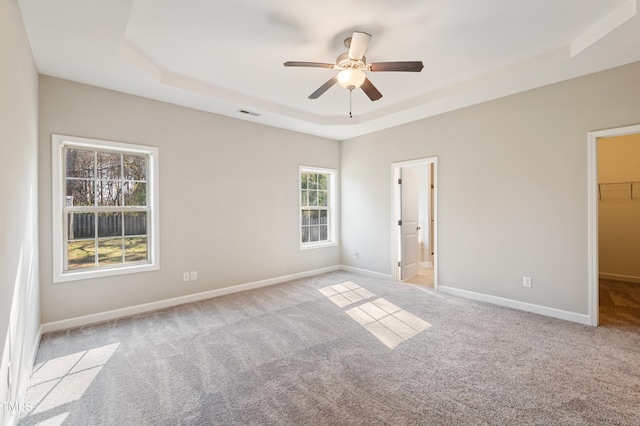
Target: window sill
[
  {"x": 311, "y": 246},
  {"x": 102, "y": 273}
]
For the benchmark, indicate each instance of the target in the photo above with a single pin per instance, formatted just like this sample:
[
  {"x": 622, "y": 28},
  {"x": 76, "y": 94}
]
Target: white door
[{"x": 410, "y": 248}]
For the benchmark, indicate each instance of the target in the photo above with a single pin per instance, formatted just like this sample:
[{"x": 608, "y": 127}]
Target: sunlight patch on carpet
[
  {"x": 389, "y": 323},
  {"x": 346, "y": 293},
  {"x": 58, "y": 382}
]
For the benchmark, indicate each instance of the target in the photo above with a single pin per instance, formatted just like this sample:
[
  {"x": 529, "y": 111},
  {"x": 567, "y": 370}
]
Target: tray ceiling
[{"x": 226, "y": 57}]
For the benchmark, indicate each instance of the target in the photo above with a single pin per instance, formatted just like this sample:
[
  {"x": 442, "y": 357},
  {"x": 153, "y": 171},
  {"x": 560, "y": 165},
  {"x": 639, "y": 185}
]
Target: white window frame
[
  {"x": 59, "y": 143},
  {"x": 331, "y": 208}
]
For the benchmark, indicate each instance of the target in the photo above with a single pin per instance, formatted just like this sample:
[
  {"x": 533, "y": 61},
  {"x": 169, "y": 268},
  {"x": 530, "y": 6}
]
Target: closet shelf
[{"x": 618, "y": 188}]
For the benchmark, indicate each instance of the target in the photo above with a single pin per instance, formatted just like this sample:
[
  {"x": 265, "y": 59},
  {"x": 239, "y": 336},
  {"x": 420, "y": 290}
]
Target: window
[
  {"x": 317, "y": 207},
  {"x": 105, "y": 208}
]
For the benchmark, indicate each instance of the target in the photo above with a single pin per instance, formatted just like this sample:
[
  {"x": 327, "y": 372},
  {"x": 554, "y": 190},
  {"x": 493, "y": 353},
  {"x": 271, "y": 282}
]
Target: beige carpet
[{"x": 338, "y": 348}]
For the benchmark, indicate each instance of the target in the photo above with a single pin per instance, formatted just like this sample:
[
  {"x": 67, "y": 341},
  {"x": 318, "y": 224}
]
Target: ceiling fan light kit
[
  {"x": 352, "y": 66},
  {"x": 351, "y": 78}
]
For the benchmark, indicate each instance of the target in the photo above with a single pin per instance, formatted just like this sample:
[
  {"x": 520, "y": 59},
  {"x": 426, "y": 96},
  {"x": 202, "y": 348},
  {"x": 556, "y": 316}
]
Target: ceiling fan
[{"x": 352, "y": 65}]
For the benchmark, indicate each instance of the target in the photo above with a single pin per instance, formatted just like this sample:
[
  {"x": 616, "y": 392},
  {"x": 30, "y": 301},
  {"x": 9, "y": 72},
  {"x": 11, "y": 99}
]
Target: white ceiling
[{"x": 226, "y": 56}]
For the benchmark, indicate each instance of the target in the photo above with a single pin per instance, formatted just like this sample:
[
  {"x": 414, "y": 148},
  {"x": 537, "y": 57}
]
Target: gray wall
[
  {"x": 19, "y": 309},
  {"x": 228, "y": 197},
  {"x": 512, "y": 188}
]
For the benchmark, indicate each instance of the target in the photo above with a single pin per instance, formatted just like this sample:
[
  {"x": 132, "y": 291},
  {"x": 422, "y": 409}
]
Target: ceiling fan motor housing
[{"x": 343, "y": 62}]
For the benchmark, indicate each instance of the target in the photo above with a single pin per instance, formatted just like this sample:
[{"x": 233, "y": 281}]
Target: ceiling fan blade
[
  {"x": 408, "y": 66},
  {"x": 370, "y": 90},
  {"x": 323, "y": 88},
  {"x": 359, "y": 43},
  {"x": 308, "y": 64}
]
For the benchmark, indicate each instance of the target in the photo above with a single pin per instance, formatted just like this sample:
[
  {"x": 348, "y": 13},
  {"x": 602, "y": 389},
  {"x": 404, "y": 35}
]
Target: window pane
[
  {"x": 80, "y": 163},
  {"x": 109, "y": 224},
  {"x": 322, "y": 198},
  {"x": 323, "y": 233},
  {"x": 313, "y": 181},
  {"x": 306, "y": 217},
  {"x": 322, "y": 182},
  {"x": 109, "y": 193},
  {"x": 135, "y": 223},
  {"x": 82, "y": 254},
  {"x": 135, "y": 193},
  {"x": 109, "y": 166},
  {"x": 81, "y": 225},
  {"x": 315, "y": 234},
  {"x": 323, "y": 217},
  {"x": 135, "y": 167},
  {"x": 110, "y": 251},
  {"x": 80, "y": 192},
  {"x": 135, "y": 249},
  {"x": 313, "y": 198},
  {"x": 315, "y": 214},
  {"x": 103, "y": 207}
]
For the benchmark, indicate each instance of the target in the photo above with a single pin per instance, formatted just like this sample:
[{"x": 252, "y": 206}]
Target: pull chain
[{"x": 350, "y": 95}]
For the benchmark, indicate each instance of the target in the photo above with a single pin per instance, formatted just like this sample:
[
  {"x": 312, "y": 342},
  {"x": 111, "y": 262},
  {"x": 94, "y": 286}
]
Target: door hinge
[
  {"x": 398, "y": 264},
  {"x": 399, "y": 223},
  {"x": 399, "y": 181}
]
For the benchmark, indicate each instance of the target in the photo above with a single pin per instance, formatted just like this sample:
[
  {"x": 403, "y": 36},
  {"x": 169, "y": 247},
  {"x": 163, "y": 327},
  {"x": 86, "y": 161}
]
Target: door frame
[
  {"x": 592, "y": 215},
  {"x": 395, "y": 215}
]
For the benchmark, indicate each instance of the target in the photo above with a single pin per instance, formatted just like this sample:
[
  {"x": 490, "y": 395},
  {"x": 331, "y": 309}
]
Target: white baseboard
[
  {"x": 161, "y": 304},
  {"x": 515, "y": 304},
  {"x": 366, "y": 272},
  {"x": 24, "y": 383},
  {"x": 36, "y": 346},
  {"x": 12, "y": 417},
  {"x": 616, "y": 277},
  {"x": 426, "y": 264}
]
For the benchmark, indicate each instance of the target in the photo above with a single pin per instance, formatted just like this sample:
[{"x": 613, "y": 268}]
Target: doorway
[
  {"x": 414, "y": 221},
  {"x": 595, "y": 195}
]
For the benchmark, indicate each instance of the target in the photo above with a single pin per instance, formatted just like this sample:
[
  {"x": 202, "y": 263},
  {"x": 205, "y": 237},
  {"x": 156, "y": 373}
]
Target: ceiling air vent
[{"x": 244, "y": 111}]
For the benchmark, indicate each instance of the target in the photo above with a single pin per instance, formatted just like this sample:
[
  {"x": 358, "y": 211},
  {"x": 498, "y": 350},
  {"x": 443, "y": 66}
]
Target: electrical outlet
[
  {"x": 185, "y": 276},
  {"x": 356, "y": 254},
  {"x": 526, "y": 281},
  {"x": 194, "y": 275}
]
